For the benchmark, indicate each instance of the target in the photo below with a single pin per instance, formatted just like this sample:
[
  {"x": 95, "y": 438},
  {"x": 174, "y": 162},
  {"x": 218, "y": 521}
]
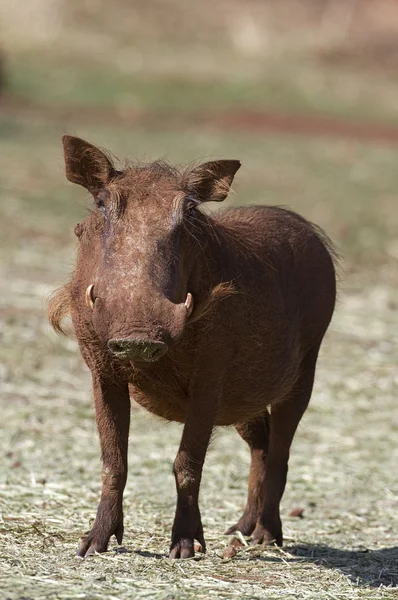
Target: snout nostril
[
  {"x": 118, "y": 346},
  {"x": 114, "y": 346},
  {"x": 137, "y": 349}
]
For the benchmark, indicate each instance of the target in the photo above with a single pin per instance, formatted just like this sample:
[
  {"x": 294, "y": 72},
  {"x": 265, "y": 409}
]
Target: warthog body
[{"x": 205, "y": 320}]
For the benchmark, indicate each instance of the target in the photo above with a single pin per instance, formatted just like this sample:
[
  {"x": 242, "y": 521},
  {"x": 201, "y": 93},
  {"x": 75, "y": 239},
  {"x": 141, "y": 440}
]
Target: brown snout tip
[{"x": 90, "y": 298}]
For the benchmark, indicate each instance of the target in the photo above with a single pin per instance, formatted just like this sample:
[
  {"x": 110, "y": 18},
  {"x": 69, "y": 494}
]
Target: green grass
[
  {"x": 343, "y": 462},
  {"x": 284, "y": 86}
]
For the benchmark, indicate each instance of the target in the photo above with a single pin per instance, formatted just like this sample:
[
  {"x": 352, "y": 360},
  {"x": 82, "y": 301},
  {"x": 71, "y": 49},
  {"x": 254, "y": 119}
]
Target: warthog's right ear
[
  {"x": 211, "y": 181},
  {"x": 86, "y": 165}
]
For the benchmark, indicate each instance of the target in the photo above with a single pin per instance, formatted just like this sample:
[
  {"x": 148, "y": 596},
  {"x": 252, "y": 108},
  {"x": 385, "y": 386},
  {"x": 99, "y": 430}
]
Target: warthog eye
[
  {"x": 191, "y": 206},
  {"x": 100, "y": 201}
]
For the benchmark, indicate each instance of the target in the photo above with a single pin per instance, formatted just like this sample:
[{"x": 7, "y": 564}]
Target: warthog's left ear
[
  {"x": 211, "y": 181},
  {"x": 86, "y": 165}
]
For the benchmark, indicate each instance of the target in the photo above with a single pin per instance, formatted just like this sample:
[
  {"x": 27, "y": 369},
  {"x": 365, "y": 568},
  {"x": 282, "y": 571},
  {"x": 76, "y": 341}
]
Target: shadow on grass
[
  {"x": 143, "y": 553},
  {"x": 364, "y": 567},
  {"x": 148, "y": 554}
]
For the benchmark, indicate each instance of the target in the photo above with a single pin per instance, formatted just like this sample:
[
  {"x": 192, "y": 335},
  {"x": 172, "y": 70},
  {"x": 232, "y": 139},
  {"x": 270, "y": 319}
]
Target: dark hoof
[
  {"x": 261, "y": 535},
  {"x": 186, "y": 548},
  {"x": 97, "y": 541},
  {"x": 92, "y": 546},
  {"x": 185, "y": 532},
  {"x": 244, "y": 525},
  {"x": 183, "y": 549}
]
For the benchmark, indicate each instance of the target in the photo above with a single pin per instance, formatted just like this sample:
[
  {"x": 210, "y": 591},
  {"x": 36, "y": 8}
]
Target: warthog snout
[{"x": 136, "y": 349}]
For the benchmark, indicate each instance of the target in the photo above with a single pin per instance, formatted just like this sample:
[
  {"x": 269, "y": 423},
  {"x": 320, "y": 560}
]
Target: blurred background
[{"x": 305, "y": 94}]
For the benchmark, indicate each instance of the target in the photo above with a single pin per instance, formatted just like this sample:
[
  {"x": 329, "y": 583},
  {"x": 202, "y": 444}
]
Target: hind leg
[
  {"x": 284, "y": 420},
  {"x": 256, "y": 434}
]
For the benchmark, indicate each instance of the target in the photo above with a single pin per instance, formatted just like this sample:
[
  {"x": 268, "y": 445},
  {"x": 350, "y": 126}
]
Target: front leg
[
  {"x": 188, "y": 467},
  {"x": 112, "y": 406}
]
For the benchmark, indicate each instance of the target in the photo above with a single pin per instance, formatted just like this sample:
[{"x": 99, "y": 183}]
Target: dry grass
[{"x": 250, "y": 30}]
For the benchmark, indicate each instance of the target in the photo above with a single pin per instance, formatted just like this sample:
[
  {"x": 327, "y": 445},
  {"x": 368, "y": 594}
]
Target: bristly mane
[{"x": 59, "y": 305}]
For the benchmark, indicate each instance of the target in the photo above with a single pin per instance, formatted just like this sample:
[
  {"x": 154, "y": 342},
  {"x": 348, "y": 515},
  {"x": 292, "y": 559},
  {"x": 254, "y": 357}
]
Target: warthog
[{"x": 204, "y": 320}]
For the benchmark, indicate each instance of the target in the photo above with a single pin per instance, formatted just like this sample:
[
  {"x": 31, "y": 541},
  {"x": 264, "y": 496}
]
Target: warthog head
[{"x": 138, "y": 248}]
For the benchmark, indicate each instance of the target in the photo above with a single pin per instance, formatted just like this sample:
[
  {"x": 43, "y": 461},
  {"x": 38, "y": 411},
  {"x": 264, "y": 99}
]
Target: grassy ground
[
  {"x": 283, "y": 85},
  {"x": 343, "y": 464}
]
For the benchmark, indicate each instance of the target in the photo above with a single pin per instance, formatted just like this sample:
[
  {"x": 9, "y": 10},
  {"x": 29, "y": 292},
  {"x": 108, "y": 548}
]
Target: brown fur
[{"x": 263, "y": 284}]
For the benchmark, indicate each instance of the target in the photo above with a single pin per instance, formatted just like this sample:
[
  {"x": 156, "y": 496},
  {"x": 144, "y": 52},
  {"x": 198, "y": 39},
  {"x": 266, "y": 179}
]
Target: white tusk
[
  {"x": 89, "y": 296},
  {"x": 189, "y": 304}
]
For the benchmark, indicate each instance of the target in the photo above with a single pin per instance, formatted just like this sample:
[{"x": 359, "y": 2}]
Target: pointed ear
[
  {"x": 210, "y": 182},
  {"x": 86, "y": 165}
]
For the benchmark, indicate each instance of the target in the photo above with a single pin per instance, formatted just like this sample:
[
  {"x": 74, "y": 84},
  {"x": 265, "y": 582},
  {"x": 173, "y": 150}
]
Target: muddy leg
[
  {"x": 256, "y": 434},
  {"x": 188, "y": 467},
  {"x": 112, "y": 405},
  {"x": 284, "y": 420}
]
